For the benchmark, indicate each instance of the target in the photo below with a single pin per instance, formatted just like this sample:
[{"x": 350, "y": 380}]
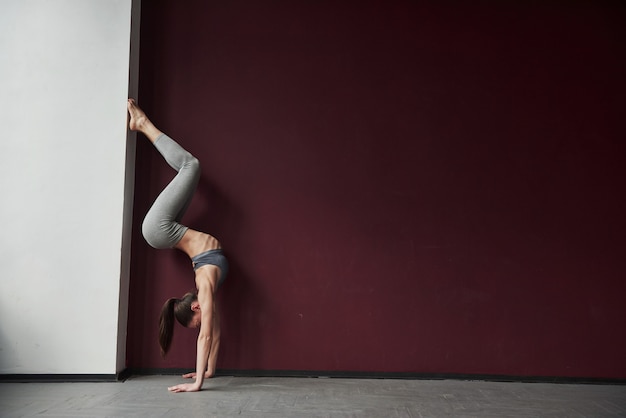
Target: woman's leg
[{"x": 161, "y": 227}]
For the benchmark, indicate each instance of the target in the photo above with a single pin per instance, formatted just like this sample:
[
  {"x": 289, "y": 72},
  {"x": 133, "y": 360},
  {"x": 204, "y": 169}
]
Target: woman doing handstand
[{"x": 161, "y": 229}]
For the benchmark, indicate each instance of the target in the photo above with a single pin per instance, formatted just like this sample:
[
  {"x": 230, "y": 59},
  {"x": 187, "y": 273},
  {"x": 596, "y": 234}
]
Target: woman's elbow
[{"x": 204, "y": 337}]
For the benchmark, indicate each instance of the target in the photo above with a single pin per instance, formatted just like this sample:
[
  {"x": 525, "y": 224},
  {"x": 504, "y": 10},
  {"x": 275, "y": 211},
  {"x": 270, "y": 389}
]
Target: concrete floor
[{"x": 147, "y": 396}]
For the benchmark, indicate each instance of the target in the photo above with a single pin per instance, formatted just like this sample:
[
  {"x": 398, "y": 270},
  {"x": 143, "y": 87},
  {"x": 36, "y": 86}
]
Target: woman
[{"x": 161, "y": 229}]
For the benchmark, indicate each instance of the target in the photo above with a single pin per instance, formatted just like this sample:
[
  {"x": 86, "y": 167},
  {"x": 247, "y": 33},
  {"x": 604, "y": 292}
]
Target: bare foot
[
  {"x": 140, "y": 122},
  {"x": 138, "y": 118}
]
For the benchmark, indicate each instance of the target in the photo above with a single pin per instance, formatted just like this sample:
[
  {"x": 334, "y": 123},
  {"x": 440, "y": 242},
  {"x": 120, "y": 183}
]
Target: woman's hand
[
  {"x": 184, "y": 387},
  {"x": 207, "y": 375}
]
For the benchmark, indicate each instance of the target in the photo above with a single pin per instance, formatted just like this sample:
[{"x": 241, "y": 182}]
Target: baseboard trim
[
  {"x": 391, "y": 375},
  {"x": 64, "y": 378}
]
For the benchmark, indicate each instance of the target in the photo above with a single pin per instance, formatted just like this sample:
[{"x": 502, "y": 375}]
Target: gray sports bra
[{"x": 215, "y": 258}]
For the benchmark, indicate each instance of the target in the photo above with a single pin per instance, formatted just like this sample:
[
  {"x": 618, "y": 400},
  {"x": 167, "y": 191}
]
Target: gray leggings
[{"x": 161, "y": 227}]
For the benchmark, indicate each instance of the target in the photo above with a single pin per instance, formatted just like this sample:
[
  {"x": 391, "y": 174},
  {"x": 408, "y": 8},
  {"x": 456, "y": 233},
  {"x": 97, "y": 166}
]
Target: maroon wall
[{"x": 417, "y": 187}]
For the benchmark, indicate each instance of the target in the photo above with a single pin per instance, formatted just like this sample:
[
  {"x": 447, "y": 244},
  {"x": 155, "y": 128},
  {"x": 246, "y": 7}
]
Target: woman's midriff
[{"x": 195, "y": 242}]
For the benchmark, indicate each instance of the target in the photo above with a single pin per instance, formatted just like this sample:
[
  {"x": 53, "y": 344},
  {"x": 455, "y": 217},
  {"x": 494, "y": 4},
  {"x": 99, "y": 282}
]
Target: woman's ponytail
[
  {"x": 166, "y": 325},
  {"x": 174, "y": 308}
]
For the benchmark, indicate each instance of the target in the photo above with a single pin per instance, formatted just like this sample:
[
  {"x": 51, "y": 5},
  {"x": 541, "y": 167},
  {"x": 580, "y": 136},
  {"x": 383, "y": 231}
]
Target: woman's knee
[
  {"x": 154, "y": 234},
  {"x": 192, "y": 164}
]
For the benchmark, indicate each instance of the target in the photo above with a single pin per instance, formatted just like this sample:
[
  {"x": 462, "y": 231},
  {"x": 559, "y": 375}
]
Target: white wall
[{"x": 64, "y": 79}]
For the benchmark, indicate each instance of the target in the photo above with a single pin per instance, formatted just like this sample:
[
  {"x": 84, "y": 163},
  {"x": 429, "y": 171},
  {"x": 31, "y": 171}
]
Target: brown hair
[{"x": 174, "y": 308}]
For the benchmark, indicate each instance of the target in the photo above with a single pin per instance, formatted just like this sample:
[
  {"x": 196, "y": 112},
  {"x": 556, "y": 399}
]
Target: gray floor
[{"x": 147, "y": 396}]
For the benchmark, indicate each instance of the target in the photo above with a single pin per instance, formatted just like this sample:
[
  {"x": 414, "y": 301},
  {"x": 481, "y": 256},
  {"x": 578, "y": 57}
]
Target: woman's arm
[
  {"x": 215, "y": 346},
  {"x": 215, "y": 341},
  {"x": 206, "y": 294}
]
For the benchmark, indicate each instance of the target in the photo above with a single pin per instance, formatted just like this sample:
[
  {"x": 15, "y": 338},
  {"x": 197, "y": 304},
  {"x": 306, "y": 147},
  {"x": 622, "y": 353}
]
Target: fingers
[{"x": 183, "y": 387}]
